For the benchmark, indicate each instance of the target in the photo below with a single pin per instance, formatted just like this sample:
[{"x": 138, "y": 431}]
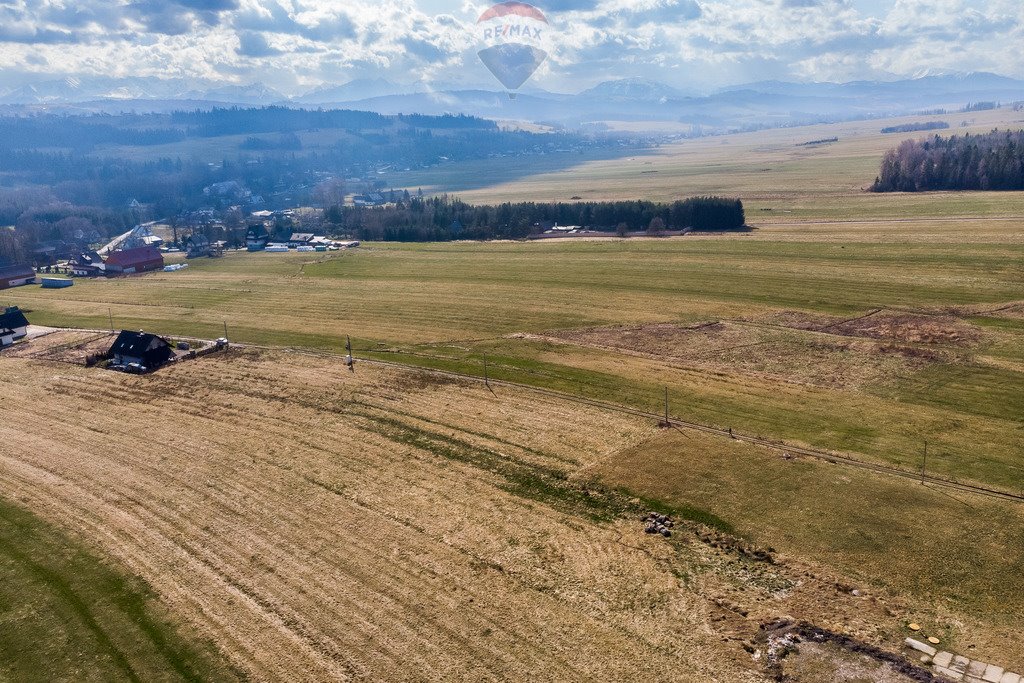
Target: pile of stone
[{"x": 658, "y": 524}]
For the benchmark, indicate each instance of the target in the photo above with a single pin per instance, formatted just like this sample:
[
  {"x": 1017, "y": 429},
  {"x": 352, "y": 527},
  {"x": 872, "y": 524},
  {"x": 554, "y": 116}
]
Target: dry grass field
[{"x": 390, "y": 525}]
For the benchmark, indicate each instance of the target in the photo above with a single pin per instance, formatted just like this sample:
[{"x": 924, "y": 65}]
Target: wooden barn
[{"x": 139, "y": 260}]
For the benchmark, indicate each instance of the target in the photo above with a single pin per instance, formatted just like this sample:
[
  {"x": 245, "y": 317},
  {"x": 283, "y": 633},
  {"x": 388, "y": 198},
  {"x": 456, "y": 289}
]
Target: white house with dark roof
[{"x": 13, "y": 326}]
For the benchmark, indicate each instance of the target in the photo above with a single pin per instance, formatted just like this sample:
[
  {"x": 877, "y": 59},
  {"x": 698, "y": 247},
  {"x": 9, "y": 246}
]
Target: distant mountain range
[
  {"x": 358, "y": 89},
  {"x": 635, "y": 99}
]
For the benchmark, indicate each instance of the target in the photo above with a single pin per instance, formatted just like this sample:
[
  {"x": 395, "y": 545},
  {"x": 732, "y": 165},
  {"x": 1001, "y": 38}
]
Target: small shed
[{"x": 141, "y": 348}]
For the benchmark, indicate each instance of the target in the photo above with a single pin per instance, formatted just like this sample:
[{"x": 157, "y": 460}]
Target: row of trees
[
  {"x": 993, "y": 161},
  {"x": 443, "y": 218},
  {"x": 915, "y": 127}
]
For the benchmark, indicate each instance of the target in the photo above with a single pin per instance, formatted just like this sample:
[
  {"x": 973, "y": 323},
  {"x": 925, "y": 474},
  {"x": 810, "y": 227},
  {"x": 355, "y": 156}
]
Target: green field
[
  {"x": 820, "y": 246},
  {"x": 448, "y": 305},
  {"x": 67, "y": 616}
]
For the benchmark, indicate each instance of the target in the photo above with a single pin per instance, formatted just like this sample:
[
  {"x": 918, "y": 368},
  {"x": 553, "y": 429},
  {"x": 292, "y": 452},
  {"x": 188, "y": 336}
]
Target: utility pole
[
  {"x": 225, "y": 329},
  {"x": 349, "y": 360},
  {"x": 924, "y": 462},
  {"x": 667, "y": 422},
  {"x": 110, "y": 315},
  {"x": 487, "y": 379}
]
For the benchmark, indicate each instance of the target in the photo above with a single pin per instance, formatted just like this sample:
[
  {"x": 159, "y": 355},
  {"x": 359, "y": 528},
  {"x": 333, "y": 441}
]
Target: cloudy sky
[{"x": 296, "y": 45}]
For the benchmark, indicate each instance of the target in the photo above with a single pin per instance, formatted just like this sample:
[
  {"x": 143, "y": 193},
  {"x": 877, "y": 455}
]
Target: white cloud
[{"x": 296, "y": 44}]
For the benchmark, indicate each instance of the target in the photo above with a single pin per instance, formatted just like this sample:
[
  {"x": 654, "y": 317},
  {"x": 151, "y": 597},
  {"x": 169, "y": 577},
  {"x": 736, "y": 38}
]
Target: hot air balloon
[{"x": 513, "y": 35}]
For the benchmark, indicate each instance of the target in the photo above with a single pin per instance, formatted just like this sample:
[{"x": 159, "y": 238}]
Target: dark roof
[
  {"x": 12, "y": 318},
  {"x": 134, "y": 343},
  {"x": 18, "y": 270},
  {"x": 135, "y": 257},
  {"x": 153, "y": 350}
]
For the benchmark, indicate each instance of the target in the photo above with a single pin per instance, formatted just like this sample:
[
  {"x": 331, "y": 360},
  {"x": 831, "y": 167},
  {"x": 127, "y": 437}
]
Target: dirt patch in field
[
  {"x": 908, "y": 328},
  {"x": 902, "y": 328},
  {"x": 797, "y": 320},
  {"x": 781, "y": 352},
  {"x": 826, "y": 662},
  {"x": 66, "y": 346}
]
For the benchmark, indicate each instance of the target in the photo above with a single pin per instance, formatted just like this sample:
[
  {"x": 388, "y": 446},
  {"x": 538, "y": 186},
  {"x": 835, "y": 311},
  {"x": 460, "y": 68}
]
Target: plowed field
[
  {"x": 354, "y": 526},
  {"x": 390, "y": 524}
]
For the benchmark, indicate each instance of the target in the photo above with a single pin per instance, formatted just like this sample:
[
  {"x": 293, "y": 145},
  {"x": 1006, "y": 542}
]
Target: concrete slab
[
  {"x": 951, "y": 674},
  {"x": 977, "y": 669},
  {"x": 1010, "y": 677},
  {"x": 34, "y": 331},
  {"x": 993, "y": 673},
  {"x": 920, "y": 647},
  {"x": 943, "y": 659},
  {"x": 960, "y": 663}
]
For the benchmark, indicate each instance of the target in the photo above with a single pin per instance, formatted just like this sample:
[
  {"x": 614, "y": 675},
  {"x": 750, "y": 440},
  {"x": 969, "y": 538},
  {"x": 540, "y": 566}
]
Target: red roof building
[
  {"x": 14, "y": 276},
  {"x": 135, "y": 260}
]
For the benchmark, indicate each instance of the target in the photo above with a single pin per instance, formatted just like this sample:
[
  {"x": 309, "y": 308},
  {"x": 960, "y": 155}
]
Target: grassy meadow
[
  {"x": 68, "y": 616},
  {"x": 448, "y": 305}
]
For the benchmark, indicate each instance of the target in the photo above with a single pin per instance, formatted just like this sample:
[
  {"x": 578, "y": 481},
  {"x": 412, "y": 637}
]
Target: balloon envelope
[{"x": 512, "y": 63}]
